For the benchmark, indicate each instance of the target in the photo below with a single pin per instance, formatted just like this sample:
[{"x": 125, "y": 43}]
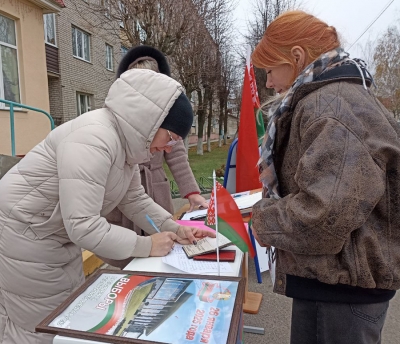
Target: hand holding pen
[{"x": 161, "y": 243}]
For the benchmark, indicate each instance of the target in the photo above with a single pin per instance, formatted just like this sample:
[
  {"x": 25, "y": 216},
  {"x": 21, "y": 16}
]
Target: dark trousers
[{"x": 337, "y": 323}]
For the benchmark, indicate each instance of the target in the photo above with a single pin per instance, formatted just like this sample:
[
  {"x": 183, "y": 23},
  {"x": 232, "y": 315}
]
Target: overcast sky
[{"x": 349, "y": 17}]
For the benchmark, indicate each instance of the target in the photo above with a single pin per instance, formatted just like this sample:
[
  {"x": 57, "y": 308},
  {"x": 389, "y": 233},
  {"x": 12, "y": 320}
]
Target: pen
[
  {"x": 199, "y": 217},
  {"x": 152, "y": 223}
]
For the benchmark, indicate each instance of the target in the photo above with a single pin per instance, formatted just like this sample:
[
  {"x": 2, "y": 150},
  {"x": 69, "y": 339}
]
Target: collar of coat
[
  {"x": 140, "y": 99},
  {"x": 345, "y": 72}
]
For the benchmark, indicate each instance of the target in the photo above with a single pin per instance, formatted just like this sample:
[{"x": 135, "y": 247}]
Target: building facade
[
  {"x": 23, "y": 77},
  {"x": 82, "y": 57}
]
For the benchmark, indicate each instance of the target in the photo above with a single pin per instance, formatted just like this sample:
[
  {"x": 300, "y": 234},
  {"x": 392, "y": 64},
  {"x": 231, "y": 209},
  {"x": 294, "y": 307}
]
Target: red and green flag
[
  {"x": 247, "y": 155},
  {"x": 230, "y": 221}
]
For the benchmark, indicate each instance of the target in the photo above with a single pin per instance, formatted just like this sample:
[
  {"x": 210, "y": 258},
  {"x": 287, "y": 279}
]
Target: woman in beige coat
[
  {"x": 53, "y": 202},
  {"x": 153, "y": 177}
]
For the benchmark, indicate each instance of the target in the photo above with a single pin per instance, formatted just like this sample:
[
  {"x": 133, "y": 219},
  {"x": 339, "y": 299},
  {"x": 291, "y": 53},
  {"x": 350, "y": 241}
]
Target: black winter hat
[
  {"x": 144, "y": 51},
  {"x": 180, "y": 117}
]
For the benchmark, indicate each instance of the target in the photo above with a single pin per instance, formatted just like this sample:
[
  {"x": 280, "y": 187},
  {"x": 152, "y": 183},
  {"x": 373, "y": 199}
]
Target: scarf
[{"x": 325, "y": 62}]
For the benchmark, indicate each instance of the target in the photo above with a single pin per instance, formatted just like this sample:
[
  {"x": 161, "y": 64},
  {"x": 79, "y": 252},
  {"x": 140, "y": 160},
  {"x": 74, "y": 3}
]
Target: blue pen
[{"x": 152, "y": 223}]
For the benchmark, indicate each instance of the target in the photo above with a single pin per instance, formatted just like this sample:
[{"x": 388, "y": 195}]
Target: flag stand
[{"x": 252, "y": 301}]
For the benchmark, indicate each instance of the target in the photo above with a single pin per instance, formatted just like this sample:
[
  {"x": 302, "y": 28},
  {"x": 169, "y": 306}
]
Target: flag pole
[{"x": 216, "y": 217}]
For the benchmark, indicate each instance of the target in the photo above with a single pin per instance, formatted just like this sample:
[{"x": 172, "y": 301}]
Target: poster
[{"x": 146, "y": 308}]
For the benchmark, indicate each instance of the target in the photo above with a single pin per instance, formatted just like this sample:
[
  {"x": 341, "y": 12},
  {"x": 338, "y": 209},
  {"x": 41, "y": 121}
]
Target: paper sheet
[
  {"x": 243, "y": 200},
  {"x": 248, "y": 201},
  {"x": 178, "y": 259}
]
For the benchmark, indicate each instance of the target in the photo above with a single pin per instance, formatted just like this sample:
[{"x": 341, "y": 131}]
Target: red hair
[{"x": 288, "y": 30}]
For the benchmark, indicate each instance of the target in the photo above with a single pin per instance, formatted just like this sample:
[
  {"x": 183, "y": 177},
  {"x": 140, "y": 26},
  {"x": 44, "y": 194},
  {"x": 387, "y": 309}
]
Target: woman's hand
[
  {"x": 190, "y": 235},
  {"x": 162, "y": 243},
  {"x": 197, "y": 200}
]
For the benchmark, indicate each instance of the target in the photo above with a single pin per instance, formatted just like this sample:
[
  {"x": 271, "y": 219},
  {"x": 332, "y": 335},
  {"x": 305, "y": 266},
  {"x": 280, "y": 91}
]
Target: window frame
[
  {"x": 75, "y": 31},
  {"x": 109, "y": 57},
  {"x": 88, "y": 103},
  {"x": 122, "y": 10},
  {"x": 124, "y": 50},
  {"x": 15, "y": 47},
  {"x": 45, "y": 16},
  {"x": 106, "y": 4}
]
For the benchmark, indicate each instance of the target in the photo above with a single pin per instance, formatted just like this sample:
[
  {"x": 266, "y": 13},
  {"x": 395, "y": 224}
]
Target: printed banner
[{"x": 153, "y": 308}]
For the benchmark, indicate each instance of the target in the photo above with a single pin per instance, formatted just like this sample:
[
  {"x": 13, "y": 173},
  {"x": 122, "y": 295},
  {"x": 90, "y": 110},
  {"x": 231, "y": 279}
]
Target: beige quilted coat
[{"x": 53, "y": 202}]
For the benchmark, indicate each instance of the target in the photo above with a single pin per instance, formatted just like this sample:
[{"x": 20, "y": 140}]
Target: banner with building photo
[{"x": 147, "y": 308}]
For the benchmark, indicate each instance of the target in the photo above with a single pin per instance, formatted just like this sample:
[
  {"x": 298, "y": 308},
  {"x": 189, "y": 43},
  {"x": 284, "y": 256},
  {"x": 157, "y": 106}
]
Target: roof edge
[{"x": 49, "y": 6}]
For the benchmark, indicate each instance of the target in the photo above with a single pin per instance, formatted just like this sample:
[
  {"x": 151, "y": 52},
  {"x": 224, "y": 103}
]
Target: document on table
[
  {"x": 178, "y": 259},
  {"x": 247, "y": 201},
  {"x": 243, "y": 200},
  {"x": 206, "y": 245}
]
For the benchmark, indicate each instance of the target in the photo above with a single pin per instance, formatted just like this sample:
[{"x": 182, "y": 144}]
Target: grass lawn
[{"x": 203, "y": 165}]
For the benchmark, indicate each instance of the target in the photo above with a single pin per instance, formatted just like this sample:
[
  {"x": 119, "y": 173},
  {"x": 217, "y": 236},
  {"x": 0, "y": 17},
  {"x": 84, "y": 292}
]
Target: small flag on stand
[{"x": 229, "y": 219}]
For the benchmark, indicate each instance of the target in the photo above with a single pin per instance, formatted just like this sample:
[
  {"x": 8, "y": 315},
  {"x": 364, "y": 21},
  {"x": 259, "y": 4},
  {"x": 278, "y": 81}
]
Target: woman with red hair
[{"x": 330, "y": 166}]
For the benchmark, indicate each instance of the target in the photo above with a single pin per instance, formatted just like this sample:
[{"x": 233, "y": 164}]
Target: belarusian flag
[
  {"x": 247, "y": 155},
  {"x": 230, "y": 221}
]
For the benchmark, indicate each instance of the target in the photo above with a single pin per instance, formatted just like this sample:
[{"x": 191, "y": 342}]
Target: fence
[{"x": 205, "y": 184}]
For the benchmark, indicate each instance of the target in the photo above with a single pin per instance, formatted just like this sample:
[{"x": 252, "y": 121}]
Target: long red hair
[{"x": 288, "y": 30}]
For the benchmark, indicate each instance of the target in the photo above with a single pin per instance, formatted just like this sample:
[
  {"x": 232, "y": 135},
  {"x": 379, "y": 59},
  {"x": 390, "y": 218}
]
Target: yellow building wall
[{"x": 30, "y": 127}]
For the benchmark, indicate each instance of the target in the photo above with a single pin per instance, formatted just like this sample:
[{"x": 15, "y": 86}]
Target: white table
[{"x": 155, "y": 264}]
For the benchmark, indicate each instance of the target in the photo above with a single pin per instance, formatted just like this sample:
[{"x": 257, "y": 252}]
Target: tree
[
  {"x": 264, "y": 12},
  {"x": 159, "y": 23},
  {"x": 188, "y": 32},
  {"x": 220, "y": 28},
  {"x": 192, "y": 60},
  {"x": 387, "y": 70}
]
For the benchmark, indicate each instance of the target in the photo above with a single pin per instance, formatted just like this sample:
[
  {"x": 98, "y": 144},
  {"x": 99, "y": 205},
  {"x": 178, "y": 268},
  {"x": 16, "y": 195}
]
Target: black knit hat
[
  {"x": 180, "y": 118},
  {"x": 144, "y": 51}
]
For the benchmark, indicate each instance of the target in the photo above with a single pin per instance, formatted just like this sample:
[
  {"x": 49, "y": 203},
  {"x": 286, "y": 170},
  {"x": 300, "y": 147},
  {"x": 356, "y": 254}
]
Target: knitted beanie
[{"x": 180, "y": 117}]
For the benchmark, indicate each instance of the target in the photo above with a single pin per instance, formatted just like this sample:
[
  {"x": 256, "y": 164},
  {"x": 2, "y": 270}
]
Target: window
[
  {"x": 80, "y": 44},
  {"x": 9, "y": 79},
  {"x": 124, "y": 50},
  {"x": 142, "y": 33},
  {"x": 83, "y": 103},
  {"x": 49, "y": 28},
  {"x": 109, "y": 57},
  {"x": 122, "y": 13},
  {"x": 107, "y": 8}
]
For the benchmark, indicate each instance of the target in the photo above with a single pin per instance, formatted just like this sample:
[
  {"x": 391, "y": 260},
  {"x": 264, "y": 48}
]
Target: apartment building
[{"x": 82, "y": 54}]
